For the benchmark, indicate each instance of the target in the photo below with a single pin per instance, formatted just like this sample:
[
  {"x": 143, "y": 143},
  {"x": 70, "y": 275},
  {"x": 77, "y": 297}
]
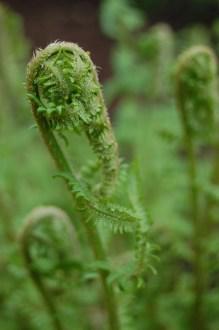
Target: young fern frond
[
  {"x": 196, "y": 83},
  {"x": 65, "y": 93},
  {"x": 157, "y": 47},
  {"x": 195, "y": 80},
  {"x": 34, "y": 219}
]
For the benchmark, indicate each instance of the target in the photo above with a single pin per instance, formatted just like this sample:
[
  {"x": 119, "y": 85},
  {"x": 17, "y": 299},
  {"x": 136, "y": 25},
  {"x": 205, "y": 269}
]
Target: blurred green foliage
[
  {"x": 149, "y": 131},
  {"x": 151, "y": 140}
]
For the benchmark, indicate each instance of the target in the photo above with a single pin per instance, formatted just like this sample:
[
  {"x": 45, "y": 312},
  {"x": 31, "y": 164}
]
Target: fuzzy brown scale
[{"x": 64, "y": 89}]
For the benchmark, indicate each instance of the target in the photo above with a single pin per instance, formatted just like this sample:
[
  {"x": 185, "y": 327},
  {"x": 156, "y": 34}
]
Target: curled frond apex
[
  {"x": 65, "y": 94},
  {"x": 38, "y": 215},
  {"x": 195, "y": 85}
]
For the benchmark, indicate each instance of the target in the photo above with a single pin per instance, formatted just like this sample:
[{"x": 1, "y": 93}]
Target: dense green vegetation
[{"x": 110, "y": 226}]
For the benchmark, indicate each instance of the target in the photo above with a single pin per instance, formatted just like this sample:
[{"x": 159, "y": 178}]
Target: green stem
[
  {"x": 109, "y": 295},
  {"x": 197, "y": 241},
  {"x": 208, "y": 220},
  {"x": 92, "y": 233},
  {"x": 198, "y": 318}
]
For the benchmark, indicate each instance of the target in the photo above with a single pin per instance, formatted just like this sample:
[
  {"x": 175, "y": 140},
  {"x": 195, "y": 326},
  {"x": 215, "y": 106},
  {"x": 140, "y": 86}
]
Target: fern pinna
[{"x": 66, "y": 96}]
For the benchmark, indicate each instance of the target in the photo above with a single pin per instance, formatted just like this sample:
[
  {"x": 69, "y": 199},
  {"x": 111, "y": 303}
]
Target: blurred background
[{"x": 78, "y": 21}]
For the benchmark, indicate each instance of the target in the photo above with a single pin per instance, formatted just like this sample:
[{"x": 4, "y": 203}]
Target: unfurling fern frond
[
  {"x": 34, "y": 219},
  {"x": 196, "y": 83},
  {"x": 65, "y": 94}
]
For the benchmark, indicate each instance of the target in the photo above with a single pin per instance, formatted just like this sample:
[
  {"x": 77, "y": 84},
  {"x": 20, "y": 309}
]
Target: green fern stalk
[
  {"x": 195, "y": 79},
  {"x": 65, "y": 94}
]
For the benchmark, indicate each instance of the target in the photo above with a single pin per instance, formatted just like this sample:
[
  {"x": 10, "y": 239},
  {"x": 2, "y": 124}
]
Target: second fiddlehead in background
[
  {"x": 195, "y": 80},
  {"x": 34, "y": 219}
]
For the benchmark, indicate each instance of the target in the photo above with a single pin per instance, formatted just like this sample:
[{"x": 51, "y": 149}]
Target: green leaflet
[{"x": 118, "y": 218}]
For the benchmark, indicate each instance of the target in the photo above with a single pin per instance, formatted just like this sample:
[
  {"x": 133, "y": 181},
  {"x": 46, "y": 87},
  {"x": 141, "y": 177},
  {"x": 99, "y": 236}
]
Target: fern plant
[{"x": 66, "y": 96}]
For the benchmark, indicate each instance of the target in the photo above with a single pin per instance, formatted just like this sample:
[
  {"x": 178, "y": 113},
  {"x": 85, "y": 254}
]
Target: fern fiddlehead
[
  {"x": 195, "y": 80},
  {"x": 65, "y": 94},
  {"x": 157, "y": 47},
  {"x": 34, "y": 219}
]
